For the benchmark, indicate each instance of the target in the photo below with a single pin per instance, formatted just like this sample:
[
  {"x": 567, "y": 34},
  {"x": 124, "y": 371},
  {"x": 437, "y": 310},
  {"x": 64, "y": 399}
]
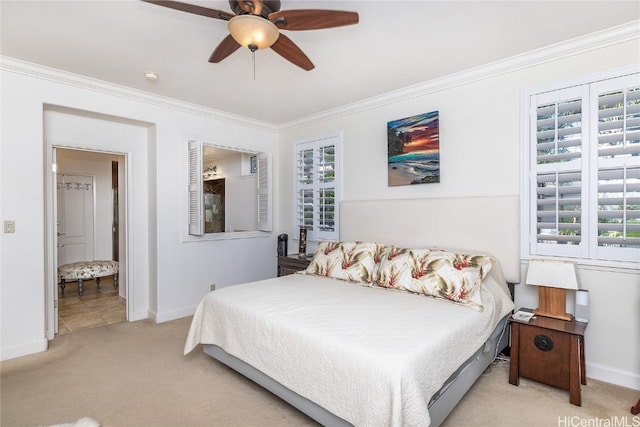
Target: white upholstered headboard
[{"x": 490, "y": 224}]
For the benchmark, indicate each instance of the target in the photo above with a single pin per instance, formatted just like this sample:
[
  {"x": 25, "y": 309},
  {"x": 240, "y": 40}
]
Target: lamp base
[
  {"x": 552, "y": 302},
  {"x": 566, "y": 316}
]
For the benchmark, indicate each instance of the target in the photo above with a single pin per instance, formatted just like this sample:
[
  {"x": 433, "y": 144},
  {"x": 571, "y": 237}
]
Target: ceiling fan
[{"x": 256, "y": 24}]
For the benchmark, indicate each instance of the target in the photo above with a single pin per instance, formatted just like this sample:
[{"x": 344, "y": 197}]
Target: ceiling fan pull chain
[{"x": 253, "y": 55}]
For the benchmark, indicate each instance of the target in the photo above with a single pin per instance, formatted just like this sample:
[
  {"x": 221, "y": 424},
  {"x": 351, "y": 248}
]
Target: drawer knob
[{"x": 543, "y": 342}]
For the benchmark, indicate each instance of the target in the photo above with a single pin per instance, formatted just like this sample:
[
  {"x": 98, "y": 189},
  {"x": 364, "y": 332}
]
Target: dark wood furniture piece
[
  {"x": 291, "y": 263},
  {"x": 550, "y": 351}
]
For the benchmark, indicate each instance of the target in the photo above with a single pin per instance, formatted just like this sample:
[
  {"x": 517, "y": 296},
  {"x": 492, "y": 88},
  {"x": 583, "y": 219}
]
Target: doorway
[
  {"x": 89, "y": 228},
  {"x": 98, "y": 133},
  {"x": 214, "y": 205}
]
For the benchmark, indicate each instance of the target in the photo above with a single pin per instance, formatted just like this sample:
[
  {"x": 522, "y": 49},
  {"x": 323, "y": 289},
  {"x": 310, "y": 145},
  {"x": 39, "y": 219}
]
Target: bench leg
[
  {"x": 62, "y": 285},
  {"x": 80, "y": 287},
  {"x": 115, "y": 281},
  {"x": 98, "y": 282}
]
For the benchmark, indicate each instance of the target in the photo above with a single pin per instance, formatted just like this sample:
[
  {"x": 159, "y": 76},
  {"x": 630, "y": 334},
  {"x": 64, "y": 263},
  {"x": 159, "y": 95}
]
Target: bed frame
[{"x": 490, "y": 224}]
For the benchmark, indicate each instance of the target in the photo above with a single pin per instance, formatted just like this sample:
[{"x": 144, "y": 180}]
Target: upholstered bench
[{"x": 87, "y": 270}]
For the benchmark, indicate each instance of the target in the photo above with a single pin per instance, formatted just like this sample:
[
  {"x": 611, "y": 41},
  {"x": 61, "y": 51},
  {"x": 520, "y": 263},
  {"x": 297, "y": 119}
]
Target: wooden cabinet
[
  {"x": 550, "y": 351},
  {"x": 291, "y": 263}
]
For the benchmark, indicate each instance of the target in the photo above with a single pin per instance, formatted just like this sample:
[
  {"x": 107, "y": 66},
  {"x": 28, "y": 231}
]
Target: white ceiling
[{"x": 396, "y": 44}]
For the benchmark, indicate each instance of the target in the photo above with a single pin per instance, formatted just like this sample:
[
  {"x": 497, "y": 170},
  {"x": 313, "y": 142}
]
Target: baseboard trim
[
  {"x": 139, "y": 315},
  {"x": 24, "y": 350},
  {"x": 613, "y": 376},
  {"x": 172, "y": 315}
]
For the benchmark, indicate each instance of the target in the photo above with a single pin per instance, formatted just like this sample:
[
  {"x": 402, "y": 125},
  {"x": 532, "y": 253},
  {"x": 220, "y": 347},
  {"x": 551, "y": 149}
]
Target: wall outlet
[
  {"x": 10, "y": 226},
  {"x": 213, "y": 287}
]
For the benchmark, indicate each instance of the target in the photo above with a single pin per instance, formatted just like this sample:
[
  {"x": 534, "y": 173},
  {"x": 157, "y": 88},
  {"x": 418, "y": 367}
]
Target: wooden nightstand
[
  {"x": 291, "y": 263},
  {"x": 550, "y": 351}
]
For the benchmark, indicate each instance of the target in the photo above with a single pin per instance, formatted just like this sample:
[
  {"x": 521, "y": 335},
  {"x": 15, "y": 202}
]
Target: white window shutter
[
  {"x": 326, "y": 191},
  {"x": 264, "y": 192},
  {"x": 196, "y": 220},
  {"x": 317, "y": 176},
  {"x": 556, "y": 186},
  {"x": 583, "y": 151},
  {"x": 305, "y": 177},
  {"x": 616, "y": 148}
]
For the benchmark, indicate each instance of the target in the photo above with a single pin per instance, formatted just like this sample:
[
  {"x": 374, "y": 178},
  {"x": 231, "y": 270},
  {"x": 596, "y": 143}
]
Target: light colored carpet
[
  {"x": 532, "y": 404},
  {"x": 134, "y": 374}
]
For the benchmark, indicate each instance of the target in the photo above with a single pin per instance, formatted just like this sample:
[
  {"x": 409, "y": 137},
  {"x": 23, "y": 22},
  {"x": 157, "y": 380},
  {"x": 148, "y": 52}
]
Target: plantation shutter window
[
  {"x": 618, "y": 207},
  {"x": 196, "y": 219},
  {"x": 583, "y": 187},
  {"x": 305, "y": 189},
  {"x": 557, "y": 131},
  {"x": 264, "y": 190},
  {"x": 317, "y": 180},
  {"x": 558, "y": 208},
  {"x": 326, "y": 189},
  {"x": 617, "y": 146}
]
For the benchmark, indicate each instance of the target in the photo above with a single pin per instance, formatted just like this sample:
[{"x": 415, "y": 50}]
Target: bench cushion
[{"x": 87, "y": 270}]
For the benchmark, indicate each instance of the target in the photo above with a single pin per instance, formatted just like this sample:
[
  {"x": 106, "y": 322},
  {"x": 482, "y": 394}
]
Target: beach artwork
[{"x": 414, "y": 150}]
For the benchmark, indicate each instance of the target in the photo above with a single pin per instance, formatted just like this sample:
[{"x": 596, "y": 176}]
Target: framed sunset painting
[{"x": 414, "y": 150}]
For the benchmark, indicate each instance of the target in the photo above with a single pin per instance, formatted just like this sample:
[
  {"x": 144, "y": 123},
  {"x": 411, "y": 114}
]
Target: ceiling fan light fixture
[{"x": 253, "y": 32}]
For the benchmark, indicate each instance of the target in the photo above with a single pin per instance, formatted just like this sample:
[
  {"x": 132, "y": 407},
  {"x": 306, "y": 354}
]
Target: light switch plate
[{"x": 9, "y": 226}]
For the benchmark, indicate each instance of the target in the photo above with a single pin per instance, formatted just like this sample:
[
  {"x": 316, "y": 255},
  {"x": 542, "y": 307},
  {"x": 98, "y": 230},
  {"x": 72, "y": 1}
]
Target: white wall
[
  {"x": 245, "y": 216},
  {"x": 170, "y": 276},
  {"x": 480, "y": 155}
]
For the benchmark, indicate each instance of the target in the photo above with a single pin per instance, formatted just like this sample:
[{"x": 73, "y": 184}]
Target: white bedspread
[{"x": 371, "y": 356}]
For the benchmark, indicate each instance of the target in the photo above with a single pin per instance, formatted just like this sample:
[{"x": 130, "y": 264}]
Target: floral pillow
[
  {"x": 452, "y": 276},
  {"x": 353, "y": 261}
]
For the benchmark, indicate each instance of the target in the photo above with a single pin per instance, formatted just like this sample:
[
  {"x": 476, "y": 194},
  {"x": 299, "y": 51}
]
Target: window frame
[
  {"x": 316, "y": 143},
  {"x": 588, "y": 253}
]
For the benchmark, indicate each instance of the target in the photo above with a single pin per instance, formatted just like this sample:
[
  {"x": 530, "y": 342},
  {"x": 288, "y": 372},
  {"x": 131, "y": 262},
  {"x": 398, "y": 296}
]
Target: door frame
[{"x": 51, "y": 269}]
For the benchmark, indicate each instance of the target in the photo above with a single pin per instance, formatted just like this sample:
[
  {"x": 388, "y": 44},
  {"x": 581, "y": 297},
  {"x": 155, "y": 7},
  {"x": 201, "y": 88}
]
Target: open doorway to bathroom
[
  {"x": 90, "y": 223},
  {"x": 131, "y": 141}
]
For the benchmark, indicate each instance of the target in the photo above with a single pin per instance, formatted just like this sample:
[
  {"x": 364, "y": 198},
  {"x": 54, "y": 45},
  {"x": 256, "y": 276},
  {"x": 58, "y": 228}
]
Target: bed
[{"x": 363, "y": 350}]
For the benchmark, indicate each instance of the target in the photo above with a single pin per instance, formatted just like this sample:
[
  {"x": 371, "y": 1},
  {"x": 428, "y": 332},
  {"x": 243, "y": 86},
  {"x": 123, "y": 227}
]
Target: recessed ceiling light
[{"x": 152, "y": 77}]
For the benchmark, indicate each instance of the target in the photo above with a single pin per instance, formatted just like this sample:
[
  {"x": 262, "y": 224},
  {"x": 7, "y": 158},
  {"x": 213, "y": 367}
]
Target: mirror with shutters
[{"x": 229, "y": 190}]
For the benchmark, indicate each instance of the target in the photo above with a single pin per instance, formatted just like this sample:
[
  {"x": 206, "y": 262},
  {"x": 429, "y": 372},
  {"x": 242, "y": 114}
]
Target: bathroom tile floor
[{"x": 96, "y": 307}]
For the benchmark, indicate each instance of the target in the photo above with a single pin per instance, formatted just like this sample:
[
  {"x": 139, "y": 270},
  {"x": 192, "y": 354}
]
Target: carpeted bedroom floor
[{"x": 134, "y": 374}]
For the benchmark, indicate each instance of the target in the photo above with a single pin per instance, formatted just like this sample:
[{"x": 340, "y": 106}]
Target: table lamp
[{"x": 553, "y": 278}]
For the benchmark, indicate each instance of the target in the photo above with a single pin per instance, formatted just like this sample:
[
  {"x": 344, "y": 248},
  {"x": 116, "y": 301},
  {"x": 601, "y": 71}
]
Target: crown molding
[
  {"x": 41, "y": 72},
  {"x": 598, "y": 40},
  {"x": 565, "y": 49}
]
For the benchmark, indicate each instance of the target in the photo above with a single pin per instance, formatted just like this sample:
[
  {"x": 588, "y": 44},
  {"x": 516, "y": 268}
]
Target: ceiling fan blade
[
  {"x": 312, "y": 19},
  {"x": 292, "y": 53},
  {"x": 226, "y": 47},
  {"x": 192, "y": 8}
]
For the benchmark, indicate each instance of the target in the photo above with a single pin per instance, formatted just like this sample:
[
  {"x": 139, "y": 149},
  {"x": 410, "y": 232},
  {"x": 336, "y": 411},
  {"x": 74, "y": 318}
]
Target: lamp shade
[
  {"x": 253, "y": 31},
  {"x": 553, "y": 274}
]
